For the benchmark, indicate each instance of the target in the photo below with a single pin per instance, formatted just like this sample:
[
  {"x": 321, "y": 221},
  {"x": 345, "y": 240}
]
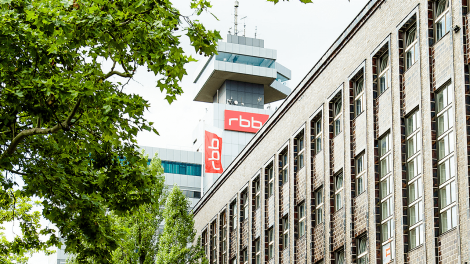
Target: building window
[
  {"x": 181, "y": 168},
  {"x": 339, "y": 255},
  {"x": 244, "y": 256},
  {"x": 270, "y": 180},
  {"x": 302, "y": 218},
  {"x": 213, "y": 242},
  {"x": 446, "y": 160},
  {"x": 223, "y": 234},
  {"x": 258, "y": 251},
  {"x": 205, "y": 243},
  {"x": 299, "y": 150},
  {"x": 233, "y": 218},
  {"x": 257, "y": 184},
  {"x": 284, "y": 162},
  {"x": 271, "y": 243},
  {"x": 411, "y": 50},
  {"x": 385, "y": 156},
  {"x": 337, "y": 111},
  {"x": 339, "y": 191},
  {"x": 442, "y": 19},
  {"x": 384, "y": 73},
  {"x": 360, "y": 174},
  {"x": 319, "y": 206},
  {"x": 244, "y": 213},
  {"x": 415, "y": 182},
  {"x": 358, "y": 96},
  {"x": 233, "y": 261},
  {"x": 285, "y": 232},
  {"x": 192, "y": 194},
  {"x": 318, "y": 134},
  {"x": 362, "y": 250},
  {"x": 386, "y": 188}
]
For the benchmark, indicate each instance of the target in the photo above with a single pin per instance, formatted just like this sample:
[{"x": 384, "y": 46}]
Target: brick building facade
[{"x": 367, "y": 161}]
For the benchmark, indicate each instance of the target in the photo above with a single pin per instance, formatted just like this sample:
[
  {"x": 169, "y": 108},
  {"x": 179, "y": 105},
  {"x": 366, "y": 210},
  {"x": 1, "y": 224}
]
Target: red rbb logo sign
[
  {"x": 243, "y": 121},
  {"x": 213, "y": 153}
]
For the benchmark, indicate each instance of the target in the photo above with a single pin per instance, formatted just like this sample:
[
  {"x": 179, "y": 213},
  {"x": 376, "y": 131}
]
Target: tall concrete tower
[{"x": 239, "y": 81}]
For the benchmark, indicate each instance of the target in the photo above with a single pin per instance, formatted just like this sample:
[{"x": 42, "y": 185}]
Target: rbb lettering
[
  {"x": 213, "y": 153},
  {"x": 243, "y": 121}
]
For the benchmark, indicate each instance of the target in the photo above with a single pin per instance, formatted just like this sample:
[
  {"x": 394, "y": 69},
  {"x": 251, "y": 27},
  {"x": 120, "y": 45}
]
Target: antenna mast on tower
[
  {"x": 235, "y": 22},
  {"x": 244, "y": 25}
]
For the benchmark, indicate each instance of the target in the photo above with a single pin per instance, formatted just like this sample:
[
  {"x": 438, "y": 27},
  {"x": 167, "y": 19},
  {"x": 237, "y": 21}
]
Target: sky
[{"x": 301, "y": 34}]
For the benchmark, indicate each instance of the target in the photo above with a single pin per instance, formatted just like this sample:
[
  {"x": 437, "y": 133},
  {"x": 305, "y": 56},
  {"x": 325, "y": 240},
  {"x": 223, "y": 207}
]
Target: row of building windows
[
  {"x": 413, "y": 159},
  {"x": 181, "y": 168}
]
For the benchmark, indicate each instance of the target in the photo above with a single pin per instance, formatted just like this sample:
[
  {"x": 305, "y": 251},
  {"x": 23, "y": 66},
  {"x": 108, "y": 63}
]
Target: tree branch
[
  {"x": 39, "y": 131},
  {"x": 111, "y": 73}
]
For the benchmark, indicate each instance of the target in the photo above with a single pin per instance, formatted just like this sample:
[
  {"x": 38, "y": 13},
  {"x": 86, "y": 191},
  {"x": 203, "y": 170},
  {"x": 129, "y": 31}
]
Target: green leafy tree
[
  {"x": 22, "y": 247},
  {"x": 140, "y": 229},
  {"x": 65, "y": 127},
  {"x": 178, "y": 233},
  {"x": 137, "y": 230}
]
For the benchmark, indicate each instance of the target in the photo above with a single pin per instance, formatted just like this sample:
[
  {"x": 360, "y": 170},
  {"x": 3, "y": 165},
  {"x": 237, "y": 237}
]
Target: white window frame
[
  {"x": 340, "y": 257},
  {"x": 442, "y": 17},
  {"x": 448, "y": 184},
  {"x": 257, "y": 184},
  {"x": 339, "y": 192},
  {"x": 337, "y": 115},
  {"x": 271, "y": 180},
  {"x": 362, "y": 256},
  {"x": 271, "y": 243},
  {"x": 318, "y": 135},
  {"x": 214, "y": 242},
  {"x": 285, "y": 232},
  {"x": 384, "y": 73},
  {"x": 387, "y": 179},
  {"x": 245, "y": 206},
  {"x": 234, "y": 216},
  {"x": 224, "y": 238},
  {"x": 319, "y": 206},
  {"x": 284, "y": 156},
  {"x": 302, "y": 217},
  {"x": 412, "y": 47},
  {"x": 300, "y": 142},
  {"x": 258, "y": 251},
  {"x": 359, "y": 97},
  {"x": 244, "y": 254},
  {"x": 385, "y": 156},
  {"x": 413, "y": 160},
  {"x": 206, "y": 235},
  {"x": 360, "y": 175}
]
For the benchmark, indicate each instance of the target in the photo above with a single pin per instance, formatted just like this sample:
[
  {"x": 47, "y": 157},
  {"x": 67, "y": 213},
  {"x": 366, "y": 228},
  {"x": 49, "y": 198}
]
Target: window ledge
[
  {"x": 448, "y": 32},
  {"x": 382, "y": 93},
  {"x": 363, "y": 192},
  {"x": 448, "y": 231},
  {"x": 416, "y": 248},
  {"x": 339, "y": 210},
  {"x": 338, "y": 134},
  {"x": 301, "y": 169},
  {"x": 416, "y": 62},
  {"x": 358, "y": 115}
]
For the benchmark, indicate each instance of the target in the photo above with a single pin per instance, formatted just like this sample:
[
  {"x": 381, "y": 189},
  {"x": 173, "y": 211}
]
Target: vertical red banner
[{"x": 213, "y": 153}]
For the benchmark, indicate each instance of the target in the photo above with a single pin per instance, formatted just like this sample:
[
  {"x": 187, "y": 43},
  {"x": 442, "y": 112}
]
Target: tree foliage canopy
[
  {"x": 178, "y": 233},
  {"x": 65, "y": 127}
]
